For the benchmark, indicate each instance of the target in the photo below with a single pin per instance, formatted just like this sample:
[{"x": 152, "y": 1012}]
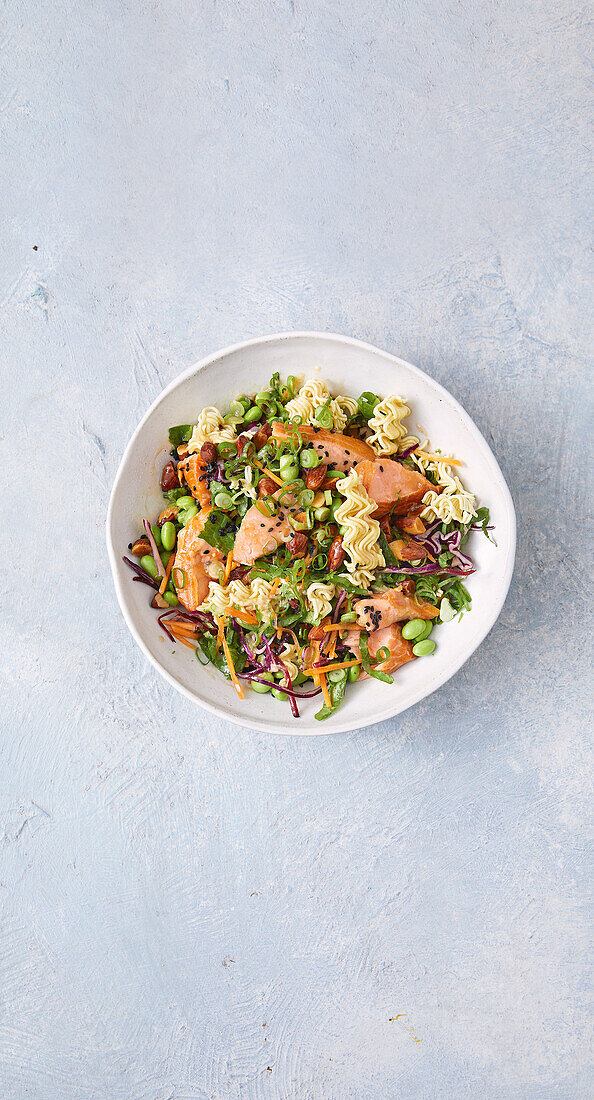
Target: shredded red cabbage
[
  {"x": 142, "y": 573},
  {"x": 274, "y": 684},
  {"x": 432, "y": 567},
  {"x": 408, "y": 451},
  {"x": 338, "y": 605}
]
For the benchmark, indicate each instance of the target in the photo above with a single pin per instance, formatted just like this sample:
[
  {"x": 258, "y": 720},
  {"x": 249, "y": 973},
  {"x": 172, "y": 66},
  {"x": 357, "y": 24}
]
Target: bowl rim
[{"x": 387, "y": 711}]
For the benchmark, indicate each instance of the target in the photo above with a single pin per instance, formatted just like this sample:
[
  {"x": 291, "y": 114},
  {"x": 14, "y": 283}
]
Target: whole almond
[
  {"x": 209, "y": 452},
  {"x": 168, "y": 514},
  {"x": 298, "y": 544},
  {"x": 266, "y": 487},
  {"x": 262, "y": 435},
  {"x": 315, "y": 478},
  {"x": 169, "y": 478},
  {"x": 336, "y": 554},
  {"x": 140, "y": 547}
]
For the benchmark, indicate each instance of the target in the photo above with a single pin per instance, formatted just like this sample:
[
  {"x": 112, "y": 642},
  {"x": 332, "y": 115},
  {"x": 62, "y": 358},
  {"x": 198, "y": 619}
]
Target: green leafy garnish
[
  {"x": 208, "y": 645},
  {"x": 389, "y": 555},
  {"x": 336, "y": 691},
  {"x": 180, "y": 434},
  {"x": 219, "y": 531},
  {"x": 482, "y": 520}
]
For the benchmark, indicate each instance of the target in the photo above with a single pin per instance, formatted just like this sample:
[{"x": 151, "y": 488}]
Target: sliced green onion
[
  {"x": 350, "y": 617},
  {"x": 323, "y": 416},
  {"x": 322, "y": 514},
  {"x": 366, "y": 661},
  {"x": 309, "y": 459}
]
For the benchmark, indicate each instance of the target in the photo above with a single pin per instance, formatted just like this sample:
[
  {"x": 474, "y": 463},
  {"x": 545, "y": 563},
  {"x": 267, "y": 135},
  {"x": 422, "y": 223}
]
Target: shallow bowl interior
[{"x": 349, "y": 367}]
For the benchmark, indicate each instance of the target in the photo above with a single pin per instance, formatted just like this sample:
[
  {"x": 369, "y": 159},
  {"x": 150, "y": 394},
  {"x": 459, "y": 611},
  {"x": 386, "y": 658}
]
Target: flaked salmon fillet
[
  {"x": 391, "y": 606},
  {"x": 260, "y": 535},
  {"x": 390, "y": 638},
  {"x": 196, "y": 564},
  {"x": 341, "y": 451},
  {"x": 392, "y": 485}
]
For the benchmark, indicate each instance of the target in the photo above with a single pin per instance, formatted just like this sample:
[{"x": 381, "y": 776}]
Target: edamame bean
[
  {"x": 189, "y": 514},
  {"x": 309, "y": 459},
  {"x": 253, "y": 413},
  {"x": 171, "y": 599},
  {"x": 262, "y": 398},
  {"x": 424, "y": 648},
  {"x": 260, "y": 689},
  {"x": 224, "y": 501},
  {"x": 157, "y": 535},
  {"x": 168, "y": 535},
  {"x": 184, "y": 502},
  {"x": 149, "y": 565},
  {"x": 322, "y": 514},
  {"x": 413, "y": 629},
  {"x": 165, "y": 556},
  {"x": 425, "y": 632},
  {"x": 278, "y": 694},
  {"x": 354, "y": 673}
]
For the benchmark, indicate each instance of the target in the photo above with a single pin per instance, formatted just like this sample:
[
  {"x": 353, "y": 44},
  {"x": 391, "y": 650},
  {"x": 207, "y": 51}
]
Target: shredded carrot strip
[
  {"x": 245, "y": 616},
  {"x": 325, "y": 691},
  {"x": 185, "y": 641},
  {"x": 228, "y": 566},
  {"x": 182, "y": 628},
  {"x": 165, "y": 580},
  {"x": 269, "y": 473},
  {"x": 231, "y": 668},
  {"x": 329, "y": 668},
  {"x": 220, "y": 634},
  {"x": 442, "y": 458}
]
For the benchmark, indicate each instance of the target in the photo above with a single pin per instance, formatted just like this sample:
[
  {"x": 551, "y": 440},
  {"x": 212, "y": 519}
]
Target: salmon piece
[
  {"x": 341, "y": 451},
  {"x": 199, "y": 561},
  {"x": 259, "y": 535},
  {"x": 391, "y": 606},
  {"x": 389, "y": 637},
  {"x": 392, "y": 486},
  {"x": 194, "y": 471}
]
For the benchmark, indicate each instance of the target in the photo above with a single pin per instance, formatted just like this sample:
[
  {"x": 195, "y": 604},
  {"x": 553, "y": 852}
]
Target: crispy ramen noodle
[
  {"x": 211, "y": 428},
  {"x": 386, "y": 424},
  {"x": 319, "y": 597},
  {"x": 361, "y": 536},
  {"x": 312, "y": 395}
]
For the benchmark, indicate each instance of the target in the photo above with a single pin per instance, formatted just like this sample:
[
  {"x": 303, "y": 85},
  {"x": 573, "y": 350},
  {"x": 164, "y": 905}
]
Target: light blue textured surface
[{"x": 191, "y": 910}]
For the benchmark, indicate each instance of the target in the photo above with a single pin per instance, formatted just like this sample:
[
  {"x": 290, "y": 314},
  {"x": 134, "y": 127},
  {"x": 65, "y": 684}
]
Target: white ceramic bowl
[{"x": 349, "y": 367}]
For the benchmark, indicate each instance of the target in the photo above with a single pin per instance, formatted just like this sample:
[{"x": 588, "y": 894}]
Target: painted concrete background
[{"x": 191, "y": 910}]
